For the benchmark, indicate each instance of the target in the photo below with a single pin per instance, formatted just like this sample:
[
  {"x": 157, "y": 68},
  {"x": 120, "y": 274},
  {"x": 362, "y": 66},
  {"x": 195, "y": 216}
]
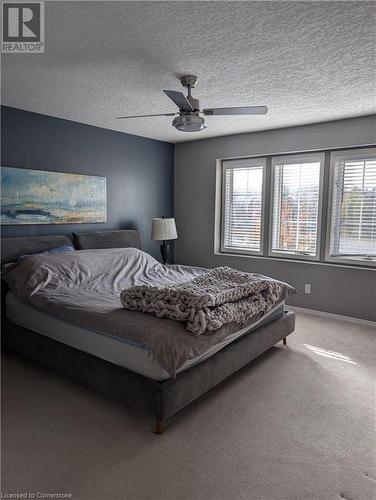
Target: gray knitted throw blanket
[{"x": 217, "y": 297}]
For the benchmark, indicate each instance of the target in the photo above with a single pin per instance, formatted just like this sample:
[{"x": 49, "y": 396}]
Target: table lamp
[{"x": 163, "y": 230}]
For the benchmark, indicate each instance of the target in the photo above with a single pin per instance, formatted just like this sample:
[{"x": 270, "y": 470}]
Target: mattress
[{"x": 128, "y": 356}]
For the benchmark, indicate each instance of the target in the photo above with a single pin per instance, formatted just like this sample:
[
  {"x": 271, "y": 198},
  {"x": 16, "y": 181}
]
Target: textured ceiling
[{"x": 307, "y": 61}]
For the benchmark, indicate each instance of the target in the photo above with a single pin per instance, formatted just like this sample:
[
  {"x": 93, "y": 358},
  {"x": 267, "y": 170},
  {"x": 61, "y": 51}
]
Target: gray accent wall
[
  {"x": 139, "y": 171},
  {"x": 335, "y": 289}
]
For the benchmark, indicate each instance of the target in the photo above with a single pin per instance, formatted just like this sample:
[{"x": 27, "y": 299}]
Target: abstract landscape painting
[{"x": 41, "y": 197}]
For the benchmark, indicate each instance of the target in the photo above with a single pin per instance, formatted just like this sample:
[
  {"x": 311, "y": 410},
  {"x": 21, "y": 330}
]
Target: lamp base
[{"x": 164, "y": 252}]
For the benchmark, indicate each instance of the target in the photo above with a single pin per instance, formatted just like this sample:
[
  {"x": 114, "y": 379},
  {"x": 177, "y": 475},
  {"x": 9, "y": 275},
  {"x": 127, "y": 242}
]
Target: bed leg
[
  {"x": 284, "y": 341},
  {"x": 159, "y": 426}
]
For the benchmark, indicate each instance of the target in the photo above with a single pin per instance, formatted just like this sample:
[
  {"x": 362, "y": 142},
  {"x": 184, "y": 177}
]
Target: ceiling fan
[{"x": 189, "y": 119}]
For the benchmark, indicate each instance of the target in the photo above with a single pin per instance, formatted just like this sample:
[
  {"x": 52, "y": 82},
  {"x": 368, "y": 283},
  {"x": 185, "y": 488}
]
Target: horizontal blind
[
  {"x": 295, "y": 206},
  {"x": 353, "y": 224},
  {"x": 243, "y": 207}
]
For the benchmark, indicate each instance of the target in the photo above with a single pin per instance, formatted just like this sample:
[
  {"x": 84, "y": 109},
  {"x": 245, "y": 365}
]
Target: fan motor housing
[
  {"x": 189, "y": 80},
  {"x": 189, "y": 123}
]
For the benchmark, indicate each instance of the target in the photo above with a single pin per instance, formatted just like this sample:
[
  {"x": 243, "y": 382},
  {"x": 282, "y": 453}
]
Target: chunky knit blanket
[{"x": 217, "y": 297}]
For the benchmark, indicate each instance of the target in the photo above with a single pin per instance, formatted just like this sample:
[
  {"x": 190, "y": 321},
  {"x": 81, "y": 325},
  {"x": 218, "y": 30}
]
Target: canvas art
[{"x": 41, "y": 197}]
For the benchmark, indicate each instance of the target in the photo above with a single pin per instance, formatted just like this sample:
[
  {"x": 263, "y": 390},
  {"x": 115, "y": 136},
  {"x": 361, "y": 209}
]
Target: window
[
  {"x": 296, "y": 205},
  {"x": 290, "y": 225},
  {"x": 242, "y": 205},
  {"x": 352, "y": 223}
]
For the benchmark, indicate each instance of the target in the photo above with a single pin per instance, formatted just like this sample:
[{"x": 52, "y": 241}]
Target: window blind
[
  {"x": 295, "y": 206},
  {"x": 353, "y": 222},
  {"x": 242, "y": 214}
]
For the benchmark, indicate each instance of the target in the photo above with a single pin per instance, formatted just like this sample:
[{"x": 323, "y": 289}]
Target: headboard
[
  {"x": 13, "y": 248},
  {"x": 121, "y": 238}
]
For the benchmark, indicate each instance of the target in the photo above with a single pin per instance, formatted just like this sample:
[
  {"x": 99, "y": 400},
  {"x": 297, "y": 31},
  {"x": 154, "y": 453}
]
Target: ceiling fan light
[{"x": 189, "y": 123}]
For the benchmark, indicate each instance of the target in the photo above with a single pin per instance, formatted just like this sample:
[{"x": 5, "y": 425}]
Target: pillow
[{"x": 65, "y": 248}]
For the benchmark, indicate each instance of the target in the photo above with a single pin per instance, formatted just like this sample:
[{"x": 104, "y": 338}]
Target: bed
[{"x": 127, "y": 370}]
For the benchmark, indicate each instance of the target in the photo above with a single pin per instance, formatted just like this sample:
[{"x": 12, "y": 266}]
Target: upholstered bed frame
[{"x": 160, "y": 400}]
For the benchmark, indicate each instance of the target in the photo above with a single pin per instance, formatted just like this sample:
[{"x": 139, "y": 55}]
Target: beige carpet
[{"x": 298, "y": 423}]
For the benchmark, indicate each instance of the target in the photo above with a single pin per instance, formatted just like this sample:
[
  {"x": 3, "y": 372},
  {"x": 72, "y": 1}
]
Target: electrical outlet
[{"x": 307, "y": 288}]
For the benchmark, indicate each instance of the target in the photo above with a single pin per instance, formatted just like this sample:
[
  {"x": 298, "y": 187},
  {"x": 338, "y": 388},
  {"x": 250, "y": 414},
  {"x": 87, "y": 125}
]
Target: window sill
[
  {"x": 292, "y": 256},
  {"x": 360, "y": 267}
]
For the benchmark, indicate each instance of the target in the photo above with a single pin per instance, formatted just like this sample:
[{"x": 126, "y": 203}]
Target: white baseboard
[{"x": 324, "y": 314}]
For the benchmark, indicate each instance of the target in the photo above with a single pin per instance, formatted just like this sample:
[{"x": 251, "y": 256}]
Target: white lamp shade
[{"x": 163, "y": 229}]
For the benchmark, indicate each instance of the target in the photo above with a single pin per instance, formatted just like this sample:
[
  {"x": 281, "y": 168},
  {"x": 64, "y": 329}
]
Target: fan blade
[
  {"x": 145, "y": 116},
  {"x": 179, "y": 99},
  {"x": 244, "y": 110}
]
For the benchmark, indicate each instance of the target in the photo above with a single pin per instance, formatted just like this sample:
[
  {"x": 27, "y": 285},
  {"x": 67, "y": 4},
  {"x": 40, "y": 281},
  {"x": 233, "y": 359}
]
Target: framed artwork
[{"x": 42, "y": 197}]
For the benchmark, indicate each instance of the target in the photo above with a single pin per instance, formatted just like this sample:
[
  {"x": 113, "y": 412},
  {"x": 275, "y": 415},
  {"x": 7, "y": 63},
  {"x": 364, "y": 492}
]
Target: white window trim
[
  {"x": 243, "y": 163},
  {"x": 357, "y": 153},
  {"x": 297, "y": 157}
]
